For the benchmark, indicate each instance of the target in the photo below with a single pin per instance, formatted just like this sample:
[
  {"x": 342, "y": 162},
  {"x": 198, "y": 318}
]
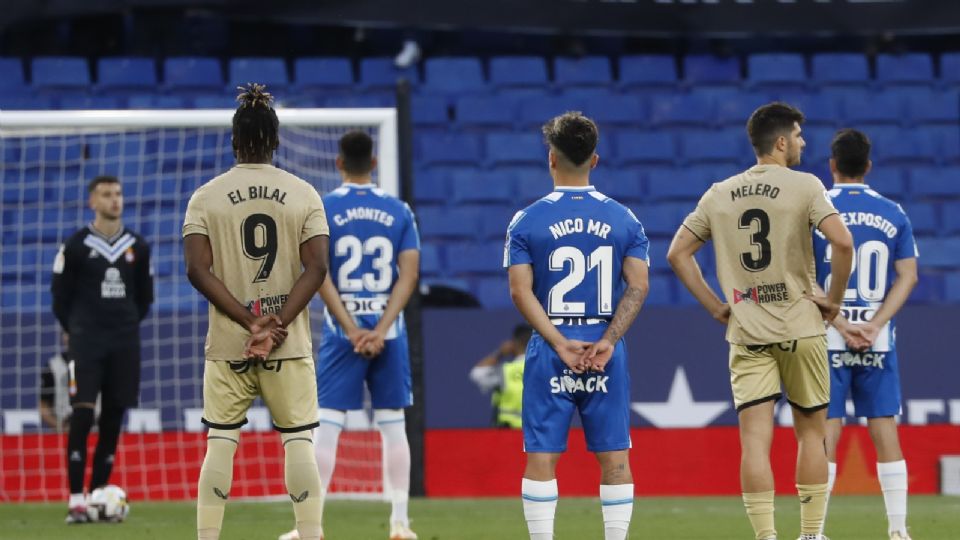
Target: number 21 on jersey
[{"x": 601, "y": 260}]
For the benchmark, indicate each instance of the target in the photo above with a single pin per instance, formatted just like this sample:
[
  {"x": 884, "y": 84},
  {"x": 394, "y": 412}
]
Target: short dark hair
[
  {"x": 850, "y": 150},
  {"x": 104, "y": 179},
  {"x": 356, "y": 151},
  {"x": 256, "y": 129},
  {"x": 769, "y": 122},
  {"x": 573, "y": 135}
]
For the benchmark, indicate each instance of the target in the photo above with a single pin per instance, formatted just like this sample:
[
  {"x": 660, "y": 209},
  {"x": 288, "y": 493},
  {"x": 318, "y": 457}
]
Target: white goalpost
[{"x": 46, "y": 160}]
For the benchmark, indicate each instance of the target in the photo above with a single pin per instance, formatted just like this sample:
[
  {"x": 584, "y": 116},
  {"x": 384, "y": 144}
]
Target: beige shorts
[
  {"x": 288, "y": 388},
  {"x": 800, "y": 365}
]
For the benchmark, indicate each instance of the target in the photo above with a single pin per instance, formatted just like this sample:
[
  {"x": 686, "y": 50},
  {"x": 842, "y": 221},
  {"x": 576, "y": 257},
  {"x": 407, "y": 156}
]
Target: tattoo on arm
[{"x": 626, "y": 312}]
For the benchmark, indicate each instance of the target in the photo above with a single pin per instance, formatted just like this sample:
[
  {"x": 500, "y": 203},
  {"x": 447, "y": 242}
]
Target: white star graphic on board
[{"x": 680, "y": 410}]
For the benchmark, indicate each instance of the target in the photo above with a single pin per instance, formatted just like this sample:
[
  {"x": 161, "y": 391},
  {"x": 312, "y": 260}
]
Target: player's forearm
[
  {"x": 626, "y": 312},
  {"x": 217, "y": 294},
  {"x": 331, "y": 299},
  {"x": 302, "y": 291},
  {"x": 528, "y": 306},
  {"x": 47, "y": 416},
  {"x": 897, "y": 296},
  {"x": 688, "y": 271},
  {"x": 841, "y": 263},
  {"x": 399, "y": 296}
]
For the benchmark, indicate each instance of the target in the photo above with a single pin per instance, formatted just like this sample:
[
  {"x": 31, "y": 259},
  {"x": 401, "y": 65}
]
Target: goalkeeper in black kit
[{"x": 102, "y": 289}]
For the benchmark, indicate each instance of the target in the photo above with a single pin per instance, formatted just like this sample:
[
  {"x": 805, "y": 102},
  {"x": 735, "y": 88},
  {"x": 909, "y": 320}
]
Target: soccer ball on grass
[{"x": 108, "y": 503}]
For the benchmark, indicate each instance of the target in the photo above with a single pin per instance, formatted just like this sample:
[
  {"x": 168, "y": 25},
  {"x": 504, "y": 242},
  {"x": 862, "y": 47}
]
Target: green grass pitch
[{"x": 707, "y": 518}]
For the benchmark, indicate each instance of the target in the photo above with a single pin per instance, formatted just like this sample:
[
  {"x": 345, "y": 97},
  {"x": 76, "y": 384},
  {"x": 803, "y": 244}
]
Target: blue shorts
[
  {"x": 551, "y": 392},
  {"x": 341, "y": 374},
  {"x": 872, "y": 379}
]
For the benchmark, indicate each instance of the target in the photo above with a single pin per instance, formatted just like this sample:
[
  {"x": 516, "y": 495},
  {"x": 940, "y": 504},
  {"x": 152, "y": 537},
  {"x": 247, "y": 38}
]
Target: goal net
[{"x": 161, "y": 157}]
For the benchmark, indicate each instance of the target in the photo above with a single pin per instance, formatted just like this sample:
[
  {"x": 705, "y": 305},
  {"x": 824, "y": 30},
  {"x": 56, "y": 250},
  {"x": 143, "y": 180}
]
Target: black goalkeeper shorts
[{"x": 108, "y": 369}]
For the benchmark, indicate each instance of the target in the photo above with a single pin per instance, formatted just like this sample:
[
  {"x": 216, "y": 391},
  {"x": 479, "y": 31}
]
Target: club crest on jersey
[
  {"x": 762, "y": 294},
  {"x": 129, "y": 256}
]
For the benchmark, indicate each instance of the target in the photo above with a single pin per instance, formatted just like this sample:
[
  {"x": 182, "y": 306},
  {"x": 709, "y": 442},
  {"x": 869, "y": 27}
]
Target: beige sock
[
  {"x": 216, "y": 475},
  {"x": 760, "y": 512},
  {"x": 303, "y": 483},
  {"x": 813, "y": 507}
]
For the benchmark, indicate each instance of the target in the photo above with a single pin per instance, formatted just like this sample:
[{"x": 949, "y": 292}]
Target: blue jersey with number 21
[{"x": 576, "y": 240}]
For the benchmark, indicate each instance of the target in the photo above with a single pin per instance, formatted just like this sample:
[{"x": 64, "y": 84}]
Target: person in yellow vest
[{"x": 501, "y": 374}]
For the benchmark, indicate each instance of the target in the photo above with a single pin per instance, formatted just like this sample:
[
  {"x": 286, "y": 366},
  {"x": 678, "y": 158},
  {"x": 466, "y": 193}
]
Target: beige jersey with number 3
[
  {"x": 761, "y": 222},
  {"x": 256, "y": 217}
]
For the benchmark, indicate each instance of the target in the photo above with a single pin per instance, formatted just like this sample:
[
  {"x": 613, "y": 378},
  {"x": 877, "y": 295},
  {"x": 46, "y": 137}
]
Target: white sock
[
  {"x": 396, "y": 453},
  {"x": 893, "y": 482},
  {"x": 539, "y": 507},
  {"x": 76, "y": 499},
  {"x": 831, "y": 479},
  {"x": 616, "y": 503},
  {"x": 325, "y": 440}
]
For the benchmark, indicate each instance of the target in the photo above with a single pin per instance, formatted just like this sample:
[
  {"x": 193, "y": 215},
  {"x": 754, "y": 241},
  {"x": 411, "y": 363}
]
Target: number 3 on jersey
[
  {"x": 351, "y": 247},
  {"x": 601, "y": 259}
]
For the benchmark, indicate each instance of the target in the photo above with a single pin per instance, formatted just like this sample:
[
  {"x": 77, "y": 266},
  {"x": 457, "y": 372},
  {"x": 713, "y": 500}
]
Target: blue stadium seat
[
  {"x": 661, "y": 291},
  {"x": 935, "y": 182},
  {"x": 888, "y": 181},
  {"x": 585, "y": 71},
  {"x": 476, "y": 186},
  {"x": 913, "y": 68},
  {"x": 155, "y": 101},
  {"x": 269, "y": 71},
  {"x": 703, "y": 146},
  {"x": 532, "y": 182},
  {"x": 515, "y": 149},
  {"x": 939, "y": 252},
  {"x": 624, "y": 185},
  {"x": 661, "y": 219},
  {"x": 868, "y": 108},
  {"x": 818, "y": 140},
  {"x": 648, "y": 71},
  {"x": 534, "y": 111},
  {"x": 494, "y": 292},
  {"x": 12, "y": 80},
  {"x": 79, "y": 101},
  {"x": 382, "y": 73},
  {"x": 215, "y": 101},
  {"x": 687, "y": 183},
  {"x": 776, "y": 70},
  {"x": 646, "y": 147},
  {"x": 951, "y": 289},
  {"x": 696, "y": 110},
  {"x": 840, "y": 69},
  {"x": 126, "y": 74},
  {"x": 60, "y": 72},
  {"x": 946, "y": 141},
  {"x": 496, "y": 218},
  {"x": 461, "y": 222},
  {"x": 709, "y": 70},
  {"x": 486, "y": 111},
  {"x": 950, "y": 69},
  {"x": 26, "y": 103},
  {"x": 735, "y": 109},
  {"x": 518, "y": 72},
  {"x": 819, "y": 109},
  {"x": 324, "y": 72},
  {"x": 438, "y": 149},
  {"x": 616, "y": 110},
  {"x": 430, "y": 187},
  {"x": 934, "y": 108},
  {"x": 430, "y": 263},
  {"x": 429, "y": 111},
  {"x": 470, "y": 258},
  {"x": 193, "y": 74},
  {"x": 336, "y": 99},
  {"x": 951, "y": 217},
  {"x": 902, "y": 146},
  {"x": 453, "y": 75},
  {"x": 924, "y": 217}
]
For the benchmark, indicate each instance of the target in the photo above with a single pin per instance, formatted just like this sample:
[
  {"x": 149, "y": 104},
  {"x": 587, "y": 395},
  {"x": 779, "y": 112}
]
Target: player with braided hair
[{"x": 255, "y": 244}]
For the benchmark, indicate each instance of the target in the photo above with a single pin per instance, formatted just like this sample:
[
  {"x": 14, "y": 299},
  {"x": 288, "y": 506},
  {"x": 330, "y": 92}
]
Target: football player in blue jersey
[
  {"x": 374, "y": 264},
  {"x": 578, "y": 268},
  {"x": 861, "y": 344}
]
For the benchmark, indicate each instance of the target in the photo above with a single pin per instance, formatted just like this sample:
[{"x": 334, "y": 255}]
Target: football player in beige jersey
[
  {"x": 761, "y": 224},
  {"x": 255, "y": 245}
]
